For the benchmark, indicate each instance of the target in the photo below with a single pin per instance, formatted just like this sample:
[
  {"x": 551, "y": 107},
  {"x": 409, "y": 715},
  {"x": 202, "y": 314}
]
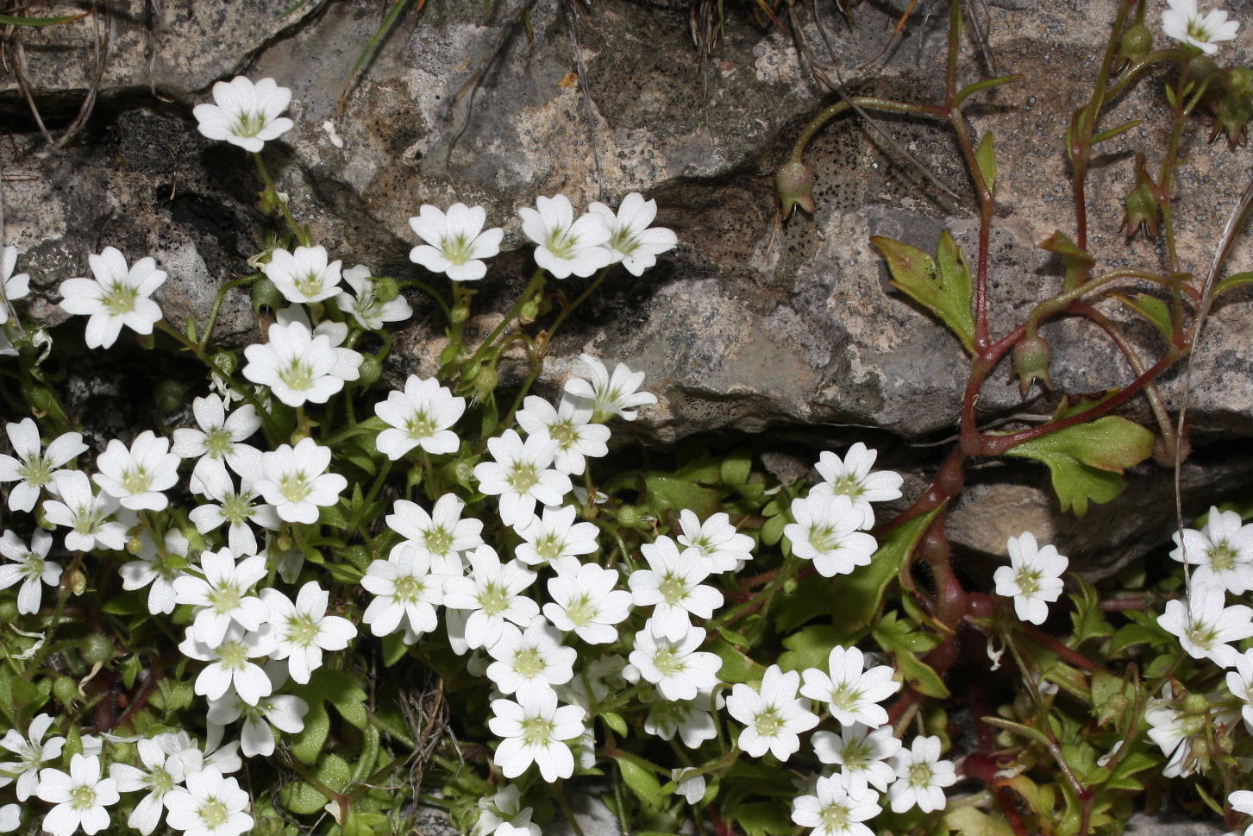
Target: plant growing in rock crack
[{"x": 385, "y": 593}]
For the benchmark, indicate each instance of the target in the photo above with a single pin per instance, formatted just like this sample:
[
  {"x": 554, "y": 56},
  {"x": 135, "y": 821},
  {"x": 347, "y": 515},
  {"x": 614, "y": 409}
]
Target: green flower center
[
  {"x": 565, "y": 434},
  {"x": 248, "y": 123},
  {"x": 218, "y": 442},
  {"x": 160, "y": 781},
  {"x": 83, "y": 797},
  {"x": 1196, "y": 29},
  {"x": 846, "y": 697},
  {"x": 303, "y": 630},
  {"x": 920, "y": 775},
  {"x": 823, "y": 538},
  {"x": 409, "y": 588},
  {"x": 669, "y": 662},
  {"x": 524, "y": 477},
  {"x": 298, "y": 375},
  {"x": 310, "y": 284},
  {"x": 136, "y": 481},
  {"x": 582, "y": 610},
  {"x": 213, "y": 813},
  {"x": 1222, "y": 557},
  {"x": 34, "y": 565},
  {"x": 561, "y": 243},
  {"x": 537, "y": 731},
  {"x": 848, "y": 485},
  {"x": 237, "y": 509},
  {"x": 494, "y": 599},
  {"x": 225, "y": 598},
  {"x": 456, "y": 248},
  {"x": 550, "y": 546},
  {"x": 529, "y": 663},
  {"x": 120, "y": 299},
  {"x": 421, "y": 426},
  {"x": 37, "y": 471},
  {"x": 1028, "y": 581},
  {"x": 438, "y": 540},
  {"x": 295, "y": 488},
  {"x": 856, "y": 755},
  {"x": 672, "y": 588},
  {"x": 835, "y": 817},
  {"x": 87, "y": 519},
  {"x": 624, "y": 241},
  {"x": 233, "y": 655},
  {"x": 769, "y": 723}
]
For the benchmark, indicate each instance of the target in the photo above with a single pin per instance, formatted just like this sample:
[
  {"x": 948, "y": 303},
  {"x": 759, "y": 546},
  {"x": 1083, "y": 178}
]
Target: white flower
[
  {"x": 164, "y": 771},
  {"x": 835, "y": 810},
  {"x": 505, "y": 807},
  {"x": 1205, "y": 626},
  {"x": 772, "y": 715},
  {"x": 1033, "y": 578},
  {"x": 31, "y": 469},
  {"x": 231, "y": 506},
  {"x": 210, "y": 806},
  {"x": 32, "y": 752},
  {"x": 366, "y": 307},
  {"x": 139, "y": 476},
  {"x": 12, "y": 286},
  {"x": 493, "y": 595},
  {"x": 921, "y": 777},
  {"x": 555, "y": 535},
  {"x": 631, "y": 240},
  {"x": 1183, "y": 22},
  {"x": 862, "y": 753},
  {"x": 407, "y": 591},
  {"x": 610, "y": 394},
  {"x": 117, "y": 296},
  {"x": 421, "y": 416},
  {"x": 677, "y": 668},
  {"x": 80, "y": 797},
  {"x": 716, "y": 540},
  {"x": 1242, "y": 802},
  {"x": 826, "y": 532},
  {"x": 672, "y": 586},
  {"x": 219, "y": 438},
  {"x": 11, "y": 818},
  {"x": 1222, "y": 551},
  {"x": 159, "y": 566},
  {"x": 31, "y": 569},
  {"x": 244, "y": 113},
  {"x": 456, "y": 242},
  {"x": 1240, "y": 684},
  {"x": 220, "y": 597},
  {"x": 585, "y": 602},
  {"x": 534, "y": 730},
  {"x": 304, "y": 276},
  {"x": 530, "y": 659},
  {"x": 521, "y": 474},
  {"x": 84, "y": 512},
  {"x": 296, "y": 483},
  {"x": 852, "y": 692},
  {"x": 229, "y": 664},
  {"x": 852, "y": 477},
  {"x": 299, "y": 365},
  {"x": 569, "y": 425},
  {"x": 564, "y": 245},
  {"x": 693, "y": 720},
  {"x": 443, "y": 533},
  {"x": 1180, "y": 736},
  {"x": 691, "y": 787},
  {"x": 303, "y": 630},
  {"x": 284, "y": 712}
]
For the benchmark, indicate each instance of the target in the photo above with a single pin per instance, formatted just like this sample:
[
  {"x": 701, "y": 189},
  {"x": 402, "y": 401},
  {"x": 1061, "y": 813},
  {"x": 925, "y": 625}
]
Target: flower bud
[
  {"x": 1234, "y": 110},
  {"x": 386, "y": 289},
  {"x": 485, "y": 381},
  {"x": 463, "y": 473},
  {"x": 1196, "y": 704},
  {"x": 226, "y": 361},
  {"x": 75, "y": 581},
  {"x": 370, "y": 371},
  {"x": 265, "y": 295},
  {"x": 449, "y": 354},
  {"x": 794, "y": 186},
  {"x": 134, "y": 546},
  {"x": 631, "y": 516},
  {"x": 169, "y": 395},
  {"x": 1031, "y": 363},
  {"x": 1142, "y": 212},
  {"x": 528, "y": 312},
  {"x": 41, "y": 400},
  {"x": 460, "y": 313},
  {"x": 98, "y": 649},
  {"x": 65, "y": 689},
  {"x": 1135, "y": 43}
]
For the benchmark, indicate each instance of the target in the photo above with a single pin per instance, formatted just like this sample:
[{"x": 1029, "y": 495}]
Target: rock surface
[{"x": 752, "y": 324}]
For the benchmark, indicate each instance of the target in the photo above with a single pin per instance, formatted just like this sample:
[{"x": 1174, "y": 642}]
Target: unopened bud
[
  {"x": 75, "y": 582},
  {"x": 386, "y": 289},
  {"x": 463, "y": 473},
  {"x": 794, "y": 185},
  {"x": 528, "y": 312},
  {"x": 134, "y": 546},
  {"x": 169, "y": 395},
  {"x": 98, "y": 649},
  {"x": 460, "y": 313},
  {"x": 227, "y": 362},
  {"x": 485, "y": 381},
  {"x": 1031, "y": 363},
  {"x": 1142, "y": 211},
  {"x": 65, "y": 689},
  {"x": 631, "y": 516},
  {"x": 265, "y": 295},
  {"x": 1196, "y": 704},
  {"x": 370, "y": 371},
  {"x": 41, "y": 401},
  {"x": 1136, "y": 42}
]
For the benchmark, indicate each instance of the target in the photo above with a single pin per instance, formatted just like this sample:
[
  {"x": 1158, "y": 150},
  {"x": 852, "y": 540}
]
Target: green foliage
[{"x": 941, "y": 285}]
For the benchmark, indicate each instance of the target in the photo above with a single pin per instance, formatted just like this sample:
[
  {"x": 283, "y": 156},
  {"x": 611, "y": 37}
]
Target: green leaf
[
  {"x": 970, "y": 821},
  {"x": 307, "y": 745},
  {"x": 1130, "y": 635},
  {"x": 1232, "y": 282},
  {"x": 341, "y": 691},
  {"x": 335, "y": 515},
  {"x": 736, "y": 666},
  {"x": 921, "y": 676},
  {"x": 1088, "y": 619},
  {"x": 1117, "y": 131},
  {"x": 641, "y": 780},
  {"x": 986, "y": 84},
  {"x": 898, "y": 635},
  {"x": 772, "y": 531},
  {"x": 762, "y": 818},
  {"x": 394, "y": 649},
  {"x": 944, "y": 289},
  {"x": 985, "y": 158},
  {"x": 669, "y": 493},
  {"x": 810, "y": 647},
  {"x": 1078, "y": 262},
  {"x": 1151, "y": 309},
  {"x": 616, "y": 722},
  {"x": 302, "y": 799},
  {"x": 1086, "y": 460},
  {"x": 1027, "y": 732},
  {"x": 736, "y": 467}
]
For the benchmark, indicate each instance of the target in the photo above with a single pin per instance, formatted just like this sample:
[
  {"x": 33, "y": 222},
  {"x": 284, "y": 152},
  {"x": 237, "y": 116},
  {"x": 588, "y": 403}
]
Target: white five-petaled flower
[
  {"x": 456, "y": 242},
  {"x": 852, "y": 477},
  {"x": 609, "y": 394},
  {"x": 210, "y": 805},
  {"x": 530, "y": 659},
  {"x": 1180, "y": 735},
  {"x": 367, "y": 308},
  {"x": 1240, "y": 684},
  {"x": 244, "y": 113},
  {"x": 565, "y": 245},
  {"x": 632, "y": 240},
  {"x": 862, "y": 753},
  {"x": 80, "y": 798},
  {"x": 693, "y": 720},
  {"x": 555, "y": 535},
  {"x": 1184, "y": 22},
  {"x": 117, "y": 296},
  {"x": 294, "y": 480},
  {"x": 827, "y": 532},
  {"x": 534, "y": 730},
  {"x": 836, "y": 809},
  {"x": 159, "y": 566},
  {"x": 30, "y": 567},
  {"x": 1206, "y": 627},
  {"x": 84, "y": 512},
  {"x": 492, "y": 594},
  {"x": 285, "y": 712},
  {"x": 138, "y": 476},
  {"x": 302, "y": 630},
  {"x": 12, "y": 285},
  {"x": 443, "y": 533},
  {"x": 221, "y": 597},
  {"x": 300, "y": 365},
  {"x": 219, "y": 437},
  {"x": 672, "y": 586},
  {"x": 585, "y": 602},
  {"x": 1033, "y": 578},
  {"x": 305, "y": 275},
  {"x": 852, "y": 692},
  {"x": 921, "y": 777},
  {"x": 505, "y": 807},
  {"x": 716, "y": 539},
  {"x": 521, "y": 474},
  {"x": 31, "y": 469},
  {"x": 1242, "y": 802},
  {"x": 772, "y": 715},
  {"x": 420, "y": 416},
  {"x": 230, "y": 663},
  {"x": 231, "y": 506},
  {"x": 1222, "y": 551},
  {"x": 163, "y": 772},
  {"x": 407, "y": 593},
  {"x": 677, "y": 668},
  {"x": 570, "y": 426},
  {"x": 32, "y": 752}
]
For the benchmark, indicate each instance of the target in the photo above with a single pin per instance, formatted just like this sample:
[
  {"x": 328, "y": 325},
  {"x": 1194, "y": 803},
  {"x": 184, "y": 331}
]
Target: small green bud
[
  {"x": 1142, "y": 212},
  {"x": 1031, "y": 363},
  {"x": 449, "y": 354},
  {"x": 460, "y": 313},
  {"x": 485, "y": 381},
  {"x": 65, "y": 689},
  {"x": 386, "y": 289},
  {"x": 370, "y": 371},
  {"x": 632, "y": 516},
  {"x": 265, "y": 295},
  {"x": 528, "y": 312},
  {"x": 794, "y": 186},
  {"x": 41, "y": 400},
  {"x": 75, "y": 582},
  {"x": 134, "y": 546},
  {"x": 463, "y": 473},
  {"x": 1136, "y": 42},
  {"x": 98, "y": 649},
  {"x": 1234, "y": 110},
  {"x": 283, "y": 542},
  {"x": 169, "y": 395},
  {"x": 226, "y": 361},
  {"x": 1196, "y": 704}
]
